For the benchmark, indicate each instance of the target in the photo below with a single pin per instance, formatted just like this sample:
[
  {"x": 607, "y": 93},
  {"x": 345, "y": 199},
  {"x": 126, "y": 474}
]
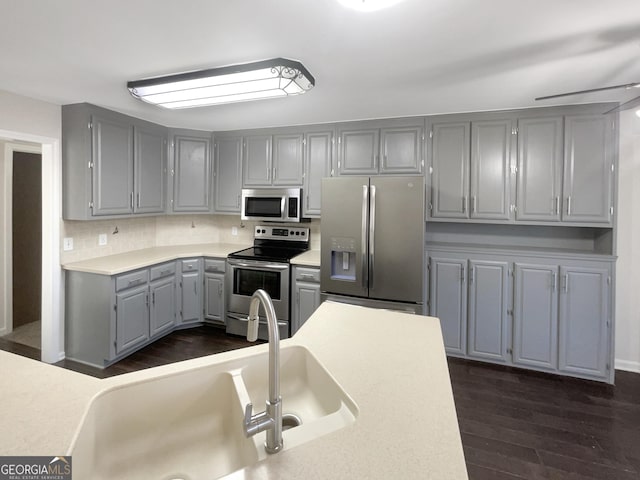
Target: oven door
[{"x": 244, "y": 277}]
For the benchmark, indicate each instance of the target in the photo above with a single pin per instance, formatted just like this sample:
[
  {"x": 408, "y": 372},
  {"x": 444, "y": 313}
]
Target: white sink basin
[{"x": 188, "y": 425}]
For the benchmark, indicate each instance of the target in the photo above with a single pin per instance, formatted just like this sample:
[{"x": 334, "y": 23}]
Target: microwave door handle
[
  {"x": 283, "y": 206},
  {"x": 372, "y": 232},
  {"x": 363, "y": 256}
]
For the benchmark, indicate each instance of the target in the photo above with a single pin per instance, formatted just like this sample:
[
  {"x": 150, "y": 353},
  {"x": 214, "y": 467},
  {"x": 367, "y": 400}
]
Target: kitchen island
[{"x": 406, "y": 425}]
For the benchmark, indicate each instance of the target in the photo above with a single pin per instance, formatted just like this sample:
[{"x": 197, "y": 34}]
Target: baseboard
[{"x": 627, "y": 366}]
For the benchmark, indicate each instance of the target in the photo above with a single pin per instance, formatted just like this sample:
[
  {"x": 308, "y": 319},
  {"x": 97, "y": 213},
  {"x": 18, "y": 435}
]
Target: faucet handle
[{"x": 248, "y": 413}]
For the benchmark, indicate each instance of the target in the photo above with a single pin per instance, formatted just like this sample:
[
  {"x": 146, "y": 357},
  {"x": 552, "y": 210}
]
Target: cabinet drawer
[
  {"x": 307, "y": 275},
  {"x": 190, "y": 265},
  {"x": 130, "y": 280},
  {"x": 164, "y": 270},
  {"x": 214, "y": 266}
]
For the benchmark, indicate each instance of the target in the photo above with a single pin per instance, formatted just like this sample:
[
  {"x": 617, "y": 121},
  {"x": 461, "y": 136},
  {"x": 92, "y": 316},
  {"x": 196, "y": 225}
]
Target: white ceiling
[{"x": 417, "y": 57}]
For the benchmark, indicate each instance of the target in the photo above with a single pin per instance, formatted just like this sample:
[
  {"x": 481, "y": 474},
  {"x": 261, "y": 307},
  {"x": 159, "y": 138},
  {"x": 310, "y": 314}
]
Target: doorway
[{"x": 26, "y": 247}]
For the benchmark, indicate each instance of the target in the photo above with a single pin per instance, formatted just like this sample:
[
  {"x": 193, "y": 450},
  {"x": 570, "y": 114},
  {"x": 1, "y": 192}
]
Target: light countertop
[
  {"x": 392, "y": 364},
  {"x": 310, "y": 258},
  {"x": 125, "y": 262}
]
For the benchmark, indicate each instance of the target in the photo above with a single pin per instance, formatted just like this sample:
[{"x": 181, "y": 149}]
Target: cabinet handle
[
  {"x": 462, "y": 275},
  {"x": 569, "y": 205},
  {"x": 557, "y": 205},
  {"x": 153, "y": 298},
  {"x": 268, "y": 173},
  {"x": 474, "y": 204},
  {"x": 220, "y": 290},
  {"x": 464, "y": 204},
  {"x": 274, "y": 173},
  {"x": 146, "y": 299},
  {"x": 195, "y": 288},
  {"x": 470, "y": 276},
  {"x": 553, "y": 282},
  {"x": 138, "y": 199},
  {"x": 131, "y": 200},
  {"x": 565, "y": 282}
]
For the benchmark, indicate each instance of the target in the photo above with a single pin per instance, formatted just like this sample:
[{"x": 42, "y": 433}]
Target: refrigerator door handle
[
  {"x": 372, "y": 231},
  {"x": 365, "y": 209}
]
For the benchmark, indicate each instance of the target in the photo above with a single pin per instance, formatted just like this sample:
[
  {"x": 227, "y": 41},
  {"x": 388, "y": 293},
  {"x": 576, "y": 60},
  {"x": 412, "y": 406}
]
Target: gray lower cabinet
[
  {"x": 190, "y": 291},
  {"x": 535, "y": 315},
  {"x": 191, "y": 172},
  {"x": 214, "y": 305},
  {"x": 228, "y": 174},
  {"x": 132, "y": 318},
  {"x": 448, "y": 300},
  {"x": 162, "y": 306},
  {"x": 306, "y": 296},
  {"x": 584, "y": 320},
  {"x": 487, "y": 310},
  {"x": 544, "y": 313}
]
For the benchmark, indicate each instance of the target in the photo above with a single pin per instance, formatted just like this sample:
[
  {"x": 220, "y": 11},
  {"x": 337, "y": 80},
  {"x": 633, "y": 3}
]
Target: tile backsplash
[{"x": 125, "y": 235}]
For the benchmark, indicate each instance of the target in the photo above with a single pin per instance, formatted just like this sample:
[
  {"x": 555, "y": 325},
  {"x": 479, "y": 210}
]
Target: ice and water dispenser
[{"x": 343, "y": 259}]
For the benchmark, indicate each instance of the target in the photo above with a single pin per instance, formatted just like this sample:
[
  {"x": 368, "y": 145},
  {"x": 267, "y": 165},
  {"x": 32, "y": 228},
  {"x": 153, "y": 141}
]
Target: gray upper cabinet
[
  {"x": 150, "y": 169},
  {"x": 358, "y": 153},
  {"x": 584, "y": 320},
  {"x": 450, "y": 163},
  {"x": 112, "y": 162},
  {"x": 588, "y": 166},
  {"x": 256, "y": 161},
  {"x": 192, "y": 172},
  {"x": 448, "y": 300},
  {"x": 488, "y": 305},
  {"x": 318, "y": 164},
  {"x": 287, "y": 160},
  {"x": 539, "y": 169},
  {"x": 490, "y": 169},
  {"x": 369, "y": 148},
  {"x": 228, "y": 174},
  {"x": 401, "y": 150},
  {"x": 535, "y": 315}
]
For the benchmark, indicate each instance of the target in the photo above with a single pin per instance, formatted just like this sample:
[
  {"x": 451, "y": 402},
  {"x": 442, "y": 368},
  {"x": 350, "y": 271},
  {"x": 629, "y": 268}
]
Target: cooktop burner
[{"x": 275, "y": 244}]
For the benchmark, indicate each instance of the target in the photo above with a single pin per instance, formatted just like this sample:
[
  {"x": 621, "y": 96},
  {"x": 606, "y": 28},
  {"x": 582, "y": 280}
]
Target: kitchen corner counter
[
  {"x": 125, "y": 262},
  {"x": 393, "y": 365},
  {"x": 310, "y": 258}
]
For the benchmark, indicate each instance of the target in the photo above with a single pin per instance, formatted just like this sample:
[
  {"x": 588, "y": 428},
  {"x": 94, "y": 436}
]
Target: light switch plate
[
  {"x": 102, "y": 239},
  {"x": 67, "y": 244},
  {"x": 234, "y": 231}
]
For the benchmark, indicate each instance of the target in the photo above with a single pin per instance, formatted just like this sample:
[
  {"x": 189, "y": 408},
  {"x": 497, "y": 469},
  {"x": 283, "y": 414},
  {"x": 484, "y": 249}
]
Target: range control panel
[{"x": 269, "y": 232}]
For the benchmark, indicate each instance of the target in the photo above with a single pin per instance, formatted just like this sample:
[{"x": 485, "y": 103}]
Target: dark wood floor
[{"x": 515, "y": 424}]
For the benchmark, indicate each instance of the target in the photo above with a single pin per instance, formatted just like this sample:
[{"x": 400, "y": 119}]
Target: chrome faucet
[{"x": 271, "y": 419}]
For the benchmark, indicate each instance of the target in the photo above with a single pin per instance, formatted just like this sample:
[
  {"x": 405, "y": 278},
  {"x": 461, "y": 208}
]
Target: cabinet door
[
  {"x": 228, "y": 174},
  {"x": 450, "y": 162},
  {"x": 192, "y": 174},
  {"x": 287, "y": 160},
  {"x": 401, "y": 150},
  {"x": 448, "y": 301},
  {"x": 190, "y": 297},
  {"x": 307, "y": 301},
  {"x": 535, "y": 316},
  {"x": 149, "y": 171},
  {"x": 588, "y": 163},
  {"x": 162, "y": 315},
  {"x": 584, "y": 314},
  {"x": 132, "y": 318},
  {"x": 256, "y": 164},
  {"x": 318, "y": 162},
  {"x": 490, "y": 169},
  {"x": 539, "y": 169},
  {"x": 488, "y": 303},
  {"x": 358, "y": 152},
  {"x": 214, "y": 297},
  {"x": 112, "y": 153}
]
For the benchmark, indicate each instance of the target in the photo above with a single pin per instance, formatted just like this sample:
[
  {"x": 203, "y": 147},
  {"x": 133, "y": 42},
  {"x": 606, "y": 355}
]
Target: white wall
[
  {"x": 627, "y": 339},
  {"x": 24, "y": 119}
]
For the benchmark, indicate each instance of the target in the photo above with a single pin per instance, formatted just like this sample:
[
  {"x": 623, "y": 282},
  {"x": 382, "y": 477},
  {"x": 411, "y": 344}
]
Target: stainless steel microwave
[{"x": 272, "y": 204}]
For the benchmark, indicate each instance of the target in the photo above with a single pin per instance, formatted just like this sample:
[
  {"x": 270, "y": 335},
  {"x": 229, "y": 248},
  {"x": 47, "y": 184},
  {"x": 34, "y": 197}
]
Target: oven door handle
[{"x": 259, "y": 265}]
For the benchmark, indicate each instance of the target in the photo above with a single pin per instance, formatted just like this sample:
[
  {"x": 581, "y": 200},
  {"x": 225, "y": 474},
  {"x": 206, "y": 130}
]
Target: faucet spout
[{"x": 271, "y": 419}]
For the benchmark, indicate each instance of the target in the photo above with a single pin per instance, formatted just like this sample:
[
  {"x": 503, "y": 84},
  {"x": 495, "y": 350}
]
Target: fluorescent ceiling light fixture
[
  {"x": 278, "y": 77},
  {"x": 368, "y": 5}
]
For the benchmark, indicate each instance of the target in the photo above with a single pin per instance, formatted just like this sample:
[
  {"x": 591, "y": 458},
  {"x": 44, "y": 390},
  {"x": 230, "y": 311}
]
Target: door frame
[{"x": 52, "y": 347}]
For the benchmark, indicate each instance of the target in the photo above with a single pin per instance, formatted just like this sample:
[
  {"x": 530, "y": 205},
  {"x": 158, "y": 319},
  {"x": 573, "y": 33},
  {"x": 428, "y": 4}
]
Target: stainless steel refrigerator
[{"x": 372, "y": 241}]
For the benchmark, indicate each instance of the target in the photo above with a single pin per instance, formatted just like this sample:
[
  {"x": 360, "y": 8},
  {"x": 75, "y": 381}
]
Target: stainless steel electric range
[{"x": 266, "y": 265}]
